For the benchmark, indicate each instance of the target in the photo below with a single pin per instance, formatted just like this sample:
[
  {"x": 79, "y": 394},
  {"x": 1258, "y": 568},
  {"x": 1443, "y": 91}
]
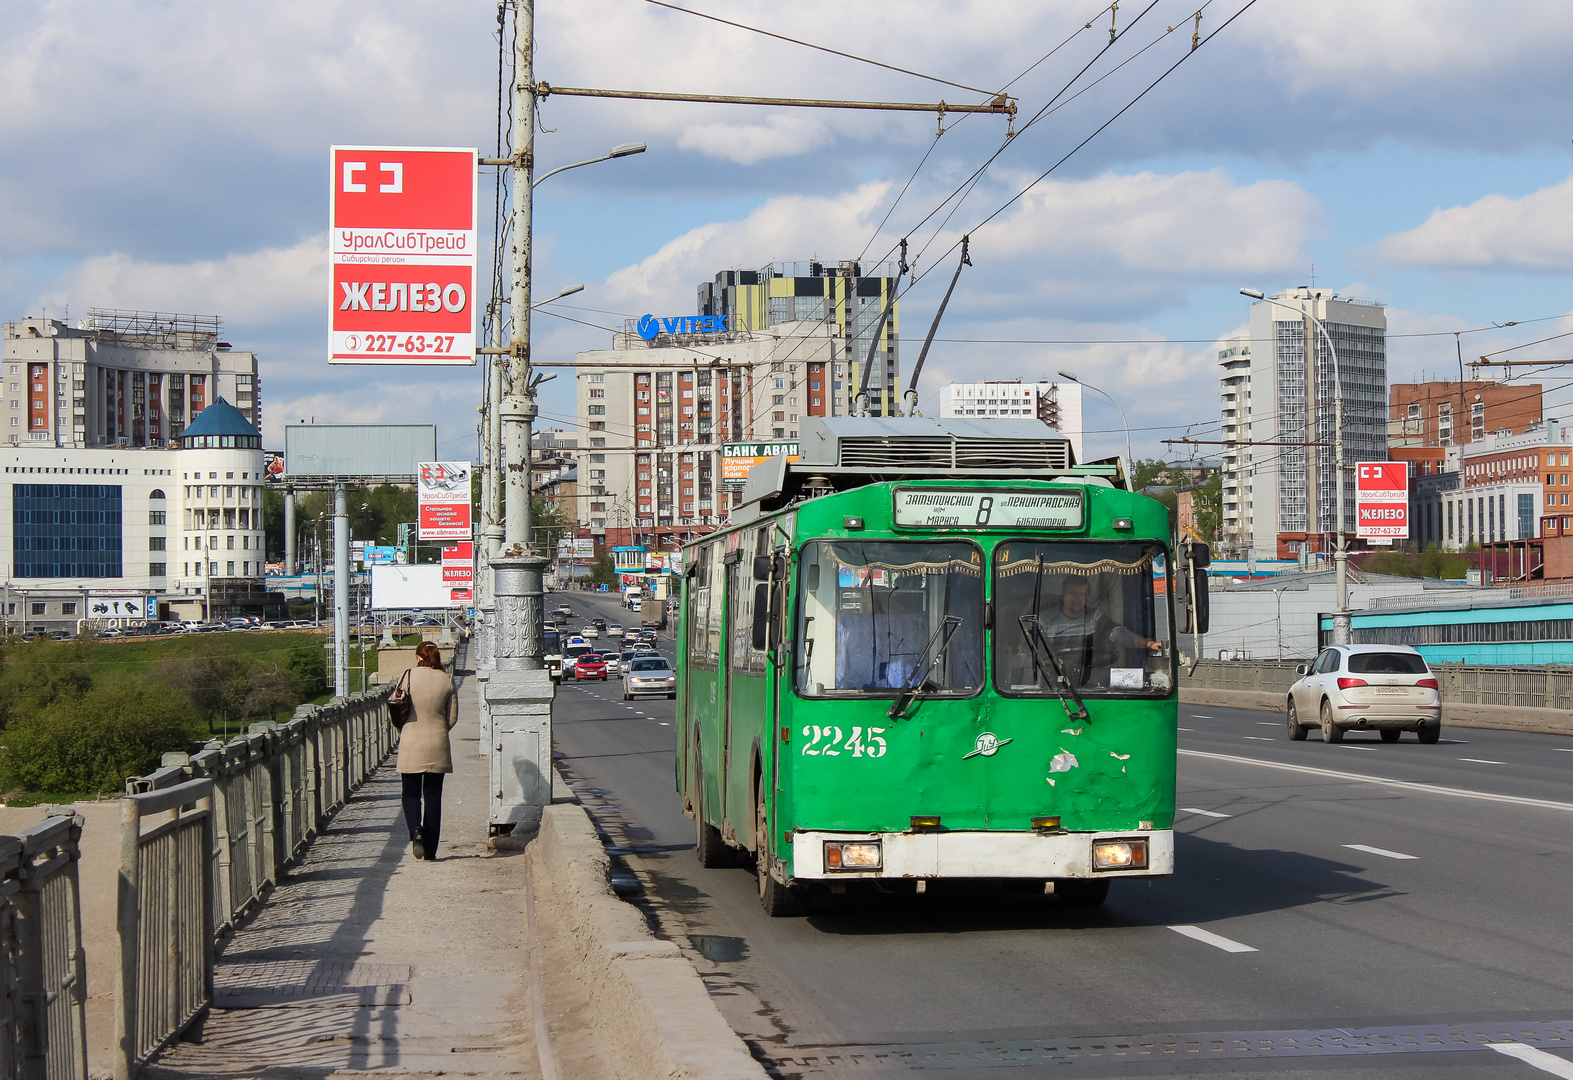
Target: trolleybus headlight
[
  {"x": 852, "y": 855},
  {"x": 1119, "y": 855}
]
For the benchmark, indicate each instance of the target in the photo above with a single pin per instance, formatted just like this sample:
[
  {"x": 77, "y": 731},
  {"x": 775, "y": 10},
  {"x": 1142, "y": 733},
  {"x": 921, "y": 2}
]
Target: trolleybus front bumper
[{"x": 963, "y": 854}]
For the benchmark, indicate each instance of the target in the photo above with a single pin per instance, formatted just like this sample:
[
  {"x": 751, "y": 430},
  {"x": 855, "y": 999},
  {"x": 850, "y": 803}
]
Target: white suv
[{"x": 1383, "y": 688}]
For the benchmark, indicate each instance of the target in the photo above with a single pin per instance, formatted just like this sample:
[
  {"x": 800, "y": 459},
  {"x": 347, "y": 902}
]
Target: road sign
[
  {"x": 1382, "y": 499},
  {"x": 443, "y": 493},
  {"x": 402, "y": 234}
]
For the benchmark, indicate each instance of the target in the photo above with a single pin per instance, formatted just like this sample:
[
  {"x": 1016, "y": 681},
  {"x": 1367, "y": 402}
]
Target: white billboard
[
  {"x": 442, "y": 490},
  {"x": 403, "y": 587}
]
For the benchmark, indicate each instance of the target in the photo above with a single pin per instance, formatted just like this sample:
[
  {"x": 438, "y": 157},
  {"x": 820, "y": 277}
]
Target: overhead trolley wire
[{"x": 821, "y": 48}]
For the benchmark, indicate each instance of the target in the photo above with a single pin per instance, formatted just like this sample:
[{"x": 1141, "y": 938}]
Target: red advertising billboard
[
  {"x": 402, "y": 243},
  {"x": 1382, "y": 499},
  {"x": 458, "y": 564},
  {"x": 442, "y": 492}
]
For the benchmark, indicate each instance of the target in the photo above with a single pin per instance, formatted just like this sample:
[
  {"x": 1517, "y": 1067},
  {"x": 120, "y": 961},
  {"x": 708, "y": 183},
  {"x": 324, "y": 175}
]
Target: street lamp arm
[
  {"x": 624, "y": 150},
  {"x": 1129, "y": 457}
]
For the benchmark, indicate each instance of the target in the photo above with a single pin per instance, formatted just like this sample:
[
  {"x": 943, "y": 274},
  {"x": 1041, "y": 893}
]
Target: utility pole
[{"x": 518, "y": 405}]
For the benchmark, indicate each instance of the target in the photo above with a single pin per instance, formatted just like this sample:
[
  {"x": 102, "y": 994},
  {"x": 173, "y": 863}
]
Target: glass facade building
[{"x": 66, "y": 530}]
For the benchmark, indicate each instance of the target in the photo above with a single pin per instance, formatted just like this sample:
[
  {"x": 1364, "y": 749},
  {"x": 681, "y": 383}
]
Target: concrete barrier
[
  {"x": 652, "y": 1013},
  {"x": 1454, "y": 713}
]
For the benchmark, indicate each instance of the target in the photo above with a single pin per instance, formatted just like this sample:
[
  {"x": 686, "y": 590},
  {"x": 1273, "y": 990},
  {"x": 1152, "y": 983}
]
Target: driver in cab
[{"x": 1082, "y": 636}]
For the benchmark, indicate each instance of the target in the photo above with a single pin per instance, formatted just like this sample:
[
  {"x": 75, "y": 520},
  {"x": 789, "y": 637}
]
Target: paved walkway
[{"x": 366, "y": 961}]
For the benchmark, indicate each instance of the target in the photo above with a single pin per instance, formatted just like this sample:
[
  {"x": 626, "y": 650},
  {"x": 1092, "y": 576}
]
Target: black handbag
[{"x": 401, "y": 707}]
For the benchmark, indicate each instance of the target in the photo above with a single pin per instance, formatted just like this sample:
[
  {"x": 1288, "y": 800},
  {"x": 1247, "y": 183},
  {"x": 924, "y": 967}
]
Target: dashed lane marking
[
  {"x": 1204, "y": 813},
  {"x": 1541, "y": 1060},
  {"x": 1184, "y": 729},
  {"x": 1207, "y": 937},
  {"x": 1267, "y": 723},
  {"x": 1200, "y": 716},
  {"x": 1380, "y": 851},
  {"x": 1403, "y": 785},
  {"x": 1367, "y": 749},
  {"x": 1482, "y": 761},
  {"x": 1259, "y": 738}
]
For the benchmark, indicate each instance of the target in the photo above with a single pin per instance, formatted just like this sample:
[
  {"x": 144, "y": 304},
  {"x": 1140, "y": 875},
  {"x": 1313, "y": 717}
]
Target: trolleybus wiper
[
  {"x": 1063, "y": 687},
  {"x": 1032, "y": 630},
  {"x": 948, "y": 628}
]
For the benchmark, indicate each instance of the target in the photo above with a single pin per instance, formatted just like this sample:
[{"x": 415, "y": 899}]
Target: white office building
[
  {"x": 181, "y": 528},
  {"x": 1284, "y": 502},
  {"x": 118, "y": 378},
  {"x": 1056, "y": 404}
]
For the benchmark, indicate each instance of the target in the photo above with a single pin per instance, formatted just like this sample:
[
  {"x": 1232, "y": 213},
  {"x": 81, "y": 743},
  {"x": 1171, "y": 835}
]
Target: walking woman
[{"x": 424, "y": 755}]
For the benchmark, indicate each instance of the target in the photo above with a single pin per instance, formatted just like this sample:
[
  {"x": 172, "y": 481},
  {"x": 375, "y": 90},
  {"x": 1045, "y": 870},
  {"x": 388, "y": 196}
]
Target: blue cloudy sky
[{"x": 173, "y": 156}]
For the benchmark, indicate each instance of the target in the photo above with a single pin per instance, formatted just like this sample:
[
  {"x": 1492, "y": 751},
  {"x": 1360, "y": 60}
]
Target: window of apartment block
[
  {"x": 596, "y": 410},
  {"x": 598, "y": 393},
  {"x": 156, "y": 517},
  {"x": 157, "y": 569},
  {"x": 597, "y": 425},
  {"x": 231, "y": 569},
  {"x": 156, "y": 543},
  {"x": 597, "y": 442},
  {"x": 68, "y": 608},
  {"x": 38, "y": 609},
  {"x": 598, "y": 377}
]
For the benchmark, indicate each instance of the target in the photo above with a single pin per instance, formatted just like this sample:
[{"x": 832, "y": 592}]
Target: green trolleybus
[{"x": 932, "y": 649}]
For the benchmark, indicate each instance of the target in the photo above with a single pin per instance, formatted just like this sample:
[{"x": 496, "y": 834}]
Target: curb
[
  {"x": 653, "y": 1014},
  {"x": 1454, "y": 713}
]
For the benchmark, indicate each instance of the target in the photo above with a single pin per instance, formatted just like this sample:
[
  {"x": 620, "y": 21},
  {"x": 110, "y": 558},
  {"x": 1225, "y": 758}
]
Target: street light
[
  {"x": 569, "y": 291},
  {"x": 1128, "y": 455},
  {"x": 1341, "y": 634},
  {"x": 621, "y": 150}
]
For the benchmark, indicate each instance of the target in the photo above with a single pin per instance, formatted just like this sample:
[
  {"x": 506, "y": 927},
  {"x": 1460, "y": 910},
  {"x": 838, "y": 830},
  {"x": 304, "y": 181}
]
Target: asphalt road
[{"x": 1352, "y": 910}]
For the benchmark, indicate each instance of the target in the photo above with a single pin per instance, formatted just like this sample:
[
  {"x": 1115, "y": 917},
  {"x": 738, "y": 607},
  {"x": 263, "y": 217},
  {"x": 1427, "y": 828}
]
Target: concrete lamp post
[{"x": 1341, "y": 630}]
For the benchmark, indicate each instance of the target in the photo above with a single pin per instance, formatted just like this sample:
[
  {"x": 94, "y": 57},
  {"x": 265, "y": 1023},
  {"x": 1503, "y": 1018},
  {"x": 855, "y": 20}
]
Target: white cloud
[
  {"x": 748, "y": 144},
  {"x": 279, "y": 284},
  {"x": 1532, "y": 233}
]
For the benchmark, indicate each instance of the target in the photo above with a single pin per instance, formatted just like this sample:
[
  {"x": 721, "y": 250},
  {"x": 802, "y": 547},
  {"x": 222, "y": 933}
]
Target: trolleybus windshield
[
  {"x": 1089, "y": 604},
  {"x": 879, "y": 616}
]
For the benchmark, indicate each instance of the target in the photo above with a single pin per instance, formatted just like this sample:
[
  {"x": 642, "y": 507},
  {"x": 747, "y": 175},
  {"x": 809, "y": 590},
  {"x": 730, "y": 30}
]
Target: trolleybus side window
[
  {"x": 703, "y": 597},
  {"x": 1086, "y": 609},
  {"x": 883, "y": 616},
  {"x": 717, "y": 569}
]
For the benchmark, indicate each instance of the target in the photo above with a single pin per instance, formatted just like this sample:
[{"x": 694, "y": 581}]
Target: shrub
[{"x": 93, "y": 742}]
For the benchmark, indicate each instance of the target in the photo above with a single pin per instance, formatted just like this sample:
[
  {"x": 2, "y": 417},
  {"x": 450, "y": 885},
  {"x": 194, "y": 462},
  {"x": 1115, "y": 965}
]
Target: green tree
[
  {"x": 1208, "y": 503},
  {"x": 37, "y": 674},
  {"x": 603, "y": 572},
  {"x": 93, "y": 742}
]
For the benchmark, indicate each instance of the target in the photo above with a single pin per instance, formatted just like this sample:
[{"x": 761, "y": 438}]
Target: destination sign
[{"x": 989, "y": 508}]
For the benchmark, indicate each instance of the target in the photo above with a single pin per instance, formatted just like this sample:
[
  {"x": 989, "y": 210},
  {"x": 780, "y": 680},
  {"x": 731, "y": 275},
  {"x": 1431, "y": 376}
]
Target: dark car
[
  {"x": 591, "y": 665},
  {"x": 599, "y": 624}
]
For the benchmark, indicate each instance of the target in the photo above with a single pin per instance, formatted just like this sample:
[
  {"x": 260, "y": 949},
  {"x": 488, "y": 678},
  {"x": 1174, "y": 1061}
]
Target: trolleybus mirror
[
  {"x": 762, "y": 567},
  {"x": 761, "y": 613},
  {"x": 1199, "y": 604}
]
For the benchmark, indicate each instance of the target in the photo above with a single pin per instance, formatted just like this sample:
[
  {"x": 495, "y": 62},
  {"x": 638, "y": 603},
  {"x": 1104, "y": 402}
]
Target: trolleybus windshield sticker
[{"x": 989, "y": 508}]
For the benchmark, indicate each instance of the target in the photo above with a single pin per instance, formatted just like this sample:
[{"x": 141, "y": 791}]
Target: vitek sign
[{"x": 650, "y": 326}]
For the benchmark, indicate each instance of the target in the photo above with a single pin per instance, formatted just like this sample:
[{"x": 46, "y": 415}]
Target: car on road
[
  {"x": 590, "y": 632},
  {"x": 564, "y": 610},
  {"x": 571, "y": 654},
  {"x": 1388, "y": 689},
  {"x": 614, "y": 630},
  {"x": 623, "y": 659},
  {"x": 591, "y": 665},
  {"x": 649, "y": 675}
]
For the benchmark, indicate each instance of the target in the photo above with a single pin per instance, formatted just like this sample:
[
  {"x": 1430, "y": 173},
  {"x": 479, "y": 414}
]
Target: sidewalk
[{"x": 366, "y": 961}]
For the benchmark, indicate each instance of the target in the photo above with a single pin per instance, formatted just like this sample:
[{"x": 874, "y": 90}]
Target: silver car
[
  {"x": 1384, "y": 688},
  {"x": 649, "y": 675}
]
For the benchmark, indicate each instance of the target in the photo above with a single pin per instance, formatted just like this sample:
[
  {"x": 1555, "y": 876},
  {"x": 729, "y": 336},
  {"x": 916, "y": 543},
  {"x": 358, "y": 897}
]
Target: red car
[{"x": 590, "y": 666}]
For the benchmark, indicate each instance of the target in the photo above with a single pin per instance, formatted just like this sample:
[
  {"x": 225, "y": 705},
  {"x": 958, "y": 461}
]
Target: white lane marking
[
  {"x": 1428, "y": 789},
  {"x": 1204, "y": 813},
  {"x": 1482, "y": 761},
  {"x": 1258, "y": 738},
  {"x": 1184, "y": 729},
  {"x": 1367, "y": 848},
  {"x": 1561, "y": 749},
  {"x": 1207, "y": 937},
  {"x": 1541, "y": 1060},
  {"x": 1267, "y": 723},
  {"x": 1200, "y": 716},
  {"x": 665, "y": 724},
  {"x": 1367, "y": 749}
]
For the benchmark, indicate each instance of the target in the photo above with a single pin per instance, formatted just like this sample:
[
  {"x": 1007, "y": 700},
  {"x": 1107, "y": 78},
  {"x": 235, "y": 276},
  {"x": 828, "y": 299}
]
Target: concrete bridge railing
[
  {"x": 43, "y": 976},
  {"x": 204, "y": 839}
]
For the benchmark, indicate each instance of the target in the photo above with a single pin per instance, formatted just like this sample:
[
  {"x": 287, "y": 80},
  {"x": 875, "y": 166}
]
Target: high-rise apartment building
[
  {"x": 655, "y": 415},
  {"x": 1284, "y": 493},
  {"x": 1234, "y": 408},
  {"x": 849, "y": 296},
  {"x": 1056, "y": 404},
  {"x": 119, "y": 378}
]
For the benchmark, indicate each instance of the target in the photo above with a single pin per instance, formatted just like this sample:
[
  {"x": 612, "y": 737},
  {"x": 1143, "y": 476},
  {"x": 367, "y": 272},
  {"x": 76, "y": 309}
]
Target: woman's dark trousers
[{"x": 423, "y": 808}]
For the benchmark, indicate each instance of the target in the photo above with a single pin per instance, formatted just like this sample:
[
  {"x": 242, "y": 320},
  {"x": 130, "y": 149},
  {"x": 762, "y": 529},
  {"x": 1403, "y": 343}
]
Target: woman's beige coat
[{"x": 423, "y": 742}]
